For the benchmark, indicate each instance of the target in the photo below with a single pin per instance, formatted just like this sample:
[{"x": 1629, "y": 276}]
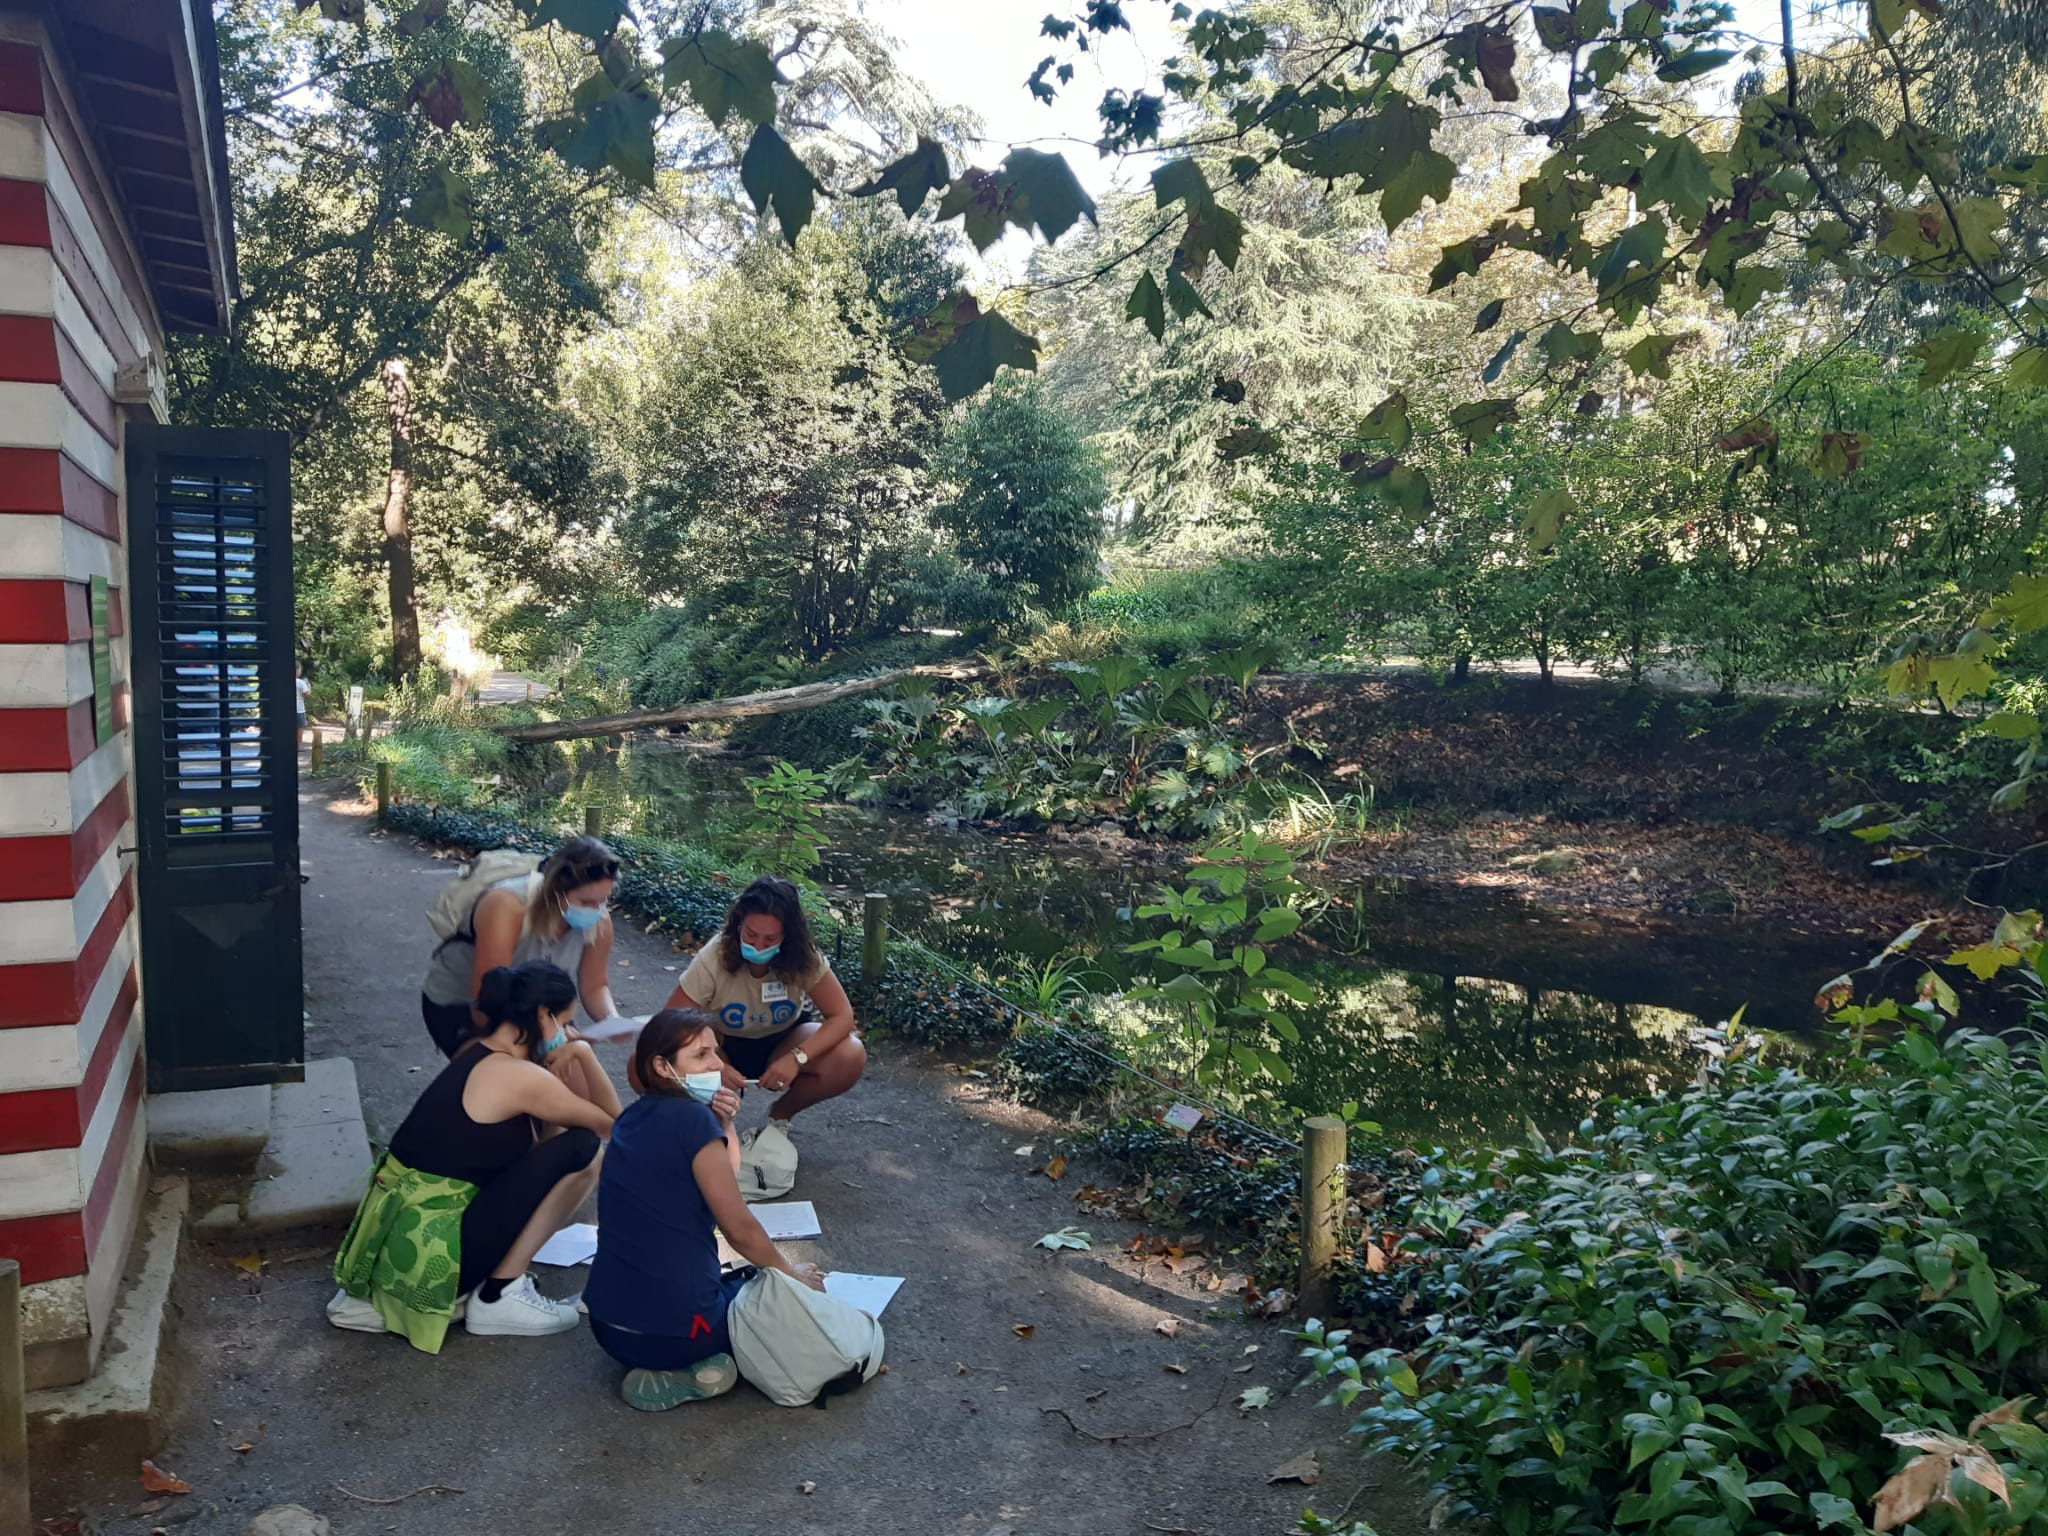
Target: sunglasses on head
[{"x": 594, "y": 870}]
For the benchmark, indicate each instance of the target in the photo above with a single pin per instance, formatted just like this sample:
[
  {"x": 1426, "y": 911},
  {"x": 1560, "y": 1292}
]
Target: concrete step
[
  {"x": 120, "y": 1407},
  {"x": 218, "y": 1129},
  {"x": 315, "y": 1159}
]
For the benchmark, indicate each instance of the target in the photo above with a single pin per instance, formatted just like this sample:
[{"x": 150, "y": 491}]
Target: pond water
[{"x": 1450, "y": 1015}]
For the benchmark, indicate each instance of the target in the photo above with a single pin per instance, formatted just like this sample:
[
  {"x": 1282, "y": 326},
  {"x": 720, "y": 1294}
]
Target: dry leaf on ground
[
  {"x": 1024, "y": 1330},
  {"x": 1303, "y": 1469},
  {"x": 249, "y": 1263},
  {"x": 156, "y": 1480},
  {"x": 1056, "y": 1168},
  {"x": 1167, "y": 1327}
]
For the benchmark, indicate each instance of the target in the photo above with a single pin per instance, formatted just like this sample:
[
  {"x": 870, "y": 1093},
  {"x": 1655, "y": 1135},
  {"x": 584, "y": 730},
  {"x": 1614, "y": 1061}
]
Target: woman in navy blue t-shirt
[{"x": 656, "y": 1297}]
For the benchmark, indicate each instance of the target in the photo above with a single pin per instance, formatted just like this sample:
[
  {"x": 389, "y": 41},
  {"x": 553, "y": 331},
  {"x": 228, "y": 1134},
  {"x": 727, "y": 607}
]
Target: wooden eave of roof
[{"x": 151, "y": 95}]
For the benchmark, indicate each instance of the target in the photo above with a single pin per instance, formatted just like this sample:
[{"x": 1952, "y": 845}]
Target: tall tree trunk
[{"x": 405, "y": 613}]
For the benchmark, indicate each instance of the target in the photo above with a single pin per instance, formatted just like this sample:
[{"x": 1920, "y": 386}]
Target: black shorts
[
  {"x": 750, "y": 1055},
  {"x": 449, "y": 1023}
]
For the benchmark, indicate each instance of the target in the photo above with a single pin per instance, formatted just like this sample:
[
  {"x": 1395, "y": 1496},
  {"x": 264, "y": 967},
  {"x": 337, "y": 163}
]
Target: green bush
[
  {"x": 1707, "y": 1318},
  {"x": 1055, "y": 1068},
  {"x": 923, "y": 1005},
  {"x": 1221, "y": 1179},
  {"x": 1171, "y": 615},
  {"x": 809, "y": 738},
  {"x": 442, "y": 763}
]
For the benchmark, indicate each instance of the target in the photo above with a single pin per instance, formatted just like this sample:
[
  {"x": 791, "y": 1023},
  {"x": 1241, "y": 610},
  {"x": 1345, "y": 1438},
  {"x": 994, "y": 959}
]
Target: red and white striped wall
[{"x": 74, "y": 311}]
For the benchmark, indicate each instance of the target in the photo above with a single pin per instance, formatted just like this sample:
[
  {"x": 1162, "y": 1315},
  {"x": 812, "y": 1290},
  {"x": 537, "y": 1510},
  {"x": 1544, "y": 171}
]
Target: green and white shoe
[{"x": 657, "y": 1391}]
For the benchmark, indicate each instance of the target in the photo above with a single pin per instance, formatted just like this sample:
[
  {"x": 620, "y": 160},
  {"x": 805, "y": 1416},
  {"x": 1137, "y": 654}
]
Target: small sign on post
[{"x": 355, "y": 712}]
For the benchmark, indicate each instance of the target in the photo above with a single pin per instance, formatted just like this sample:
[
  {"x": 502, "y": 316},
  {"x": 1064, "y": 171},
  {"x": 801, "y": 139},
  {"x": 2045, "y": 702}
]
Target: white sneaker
[
  {"x": 357, "y": 1314},
  {"x": 520, "y": 1311}
]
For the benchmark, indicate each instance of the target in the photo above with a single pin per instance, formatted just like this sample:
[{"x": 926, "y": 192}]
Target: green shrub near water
[
  {"x": 1707, "y": 1319},
  {"x": 1172, "y": 615},
  {"x": 1056, "y": 1068}
]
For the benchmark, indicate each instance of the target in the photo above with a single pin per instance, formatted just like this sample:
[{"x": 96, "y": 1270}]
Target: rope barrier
[{"x": 1180, "y": 1095}]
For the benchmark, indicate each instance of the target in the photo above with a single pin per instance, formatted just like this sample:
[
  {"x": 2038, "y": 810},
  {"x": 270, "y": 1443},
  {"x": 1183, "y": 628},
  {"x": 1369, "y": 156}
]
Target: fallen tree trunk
[{"x": 773, "y": 701}]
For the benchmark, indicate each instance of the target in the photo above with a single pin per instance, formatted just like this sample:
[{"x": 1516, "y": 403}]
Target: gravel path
[{"x": 916, "y": 1173}]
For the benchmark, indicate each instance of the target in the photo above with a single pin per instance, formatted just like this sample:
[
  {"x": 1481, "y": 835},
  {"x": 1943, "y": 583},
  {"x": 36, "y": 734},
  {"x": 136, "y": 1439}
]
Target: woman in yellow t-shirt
[{"x": 783, "y": 1018}]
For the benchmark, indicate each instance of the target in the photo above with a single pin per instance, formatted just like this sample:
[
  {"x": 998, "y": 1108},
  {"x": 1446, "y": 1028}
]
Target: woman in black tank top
[
  {"x": 495, "y": 1117},
  {"x": 440, "y": 1137}
]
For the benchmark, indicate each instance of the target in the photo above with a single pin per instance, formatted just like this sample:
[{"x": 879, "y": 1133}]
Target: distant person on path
[
  {"x": 557, "y": 913},
  {"x": 656, "y": 1296},
  {"x": 493, "y": 1160},
  {"x": 782, "y": 1016},
  {"x": 302, "y": 691}
]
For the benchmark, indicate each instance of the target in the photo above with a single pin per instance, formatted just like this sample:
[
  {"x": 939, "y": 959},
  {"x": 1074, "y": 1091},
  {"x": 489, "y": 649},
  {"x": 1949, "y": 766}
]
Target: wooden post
[
  {"x": 1322, "y": 1210},
  {"x": 873, "y": 939},
  {"x": 593, "y": 821},
  {"x": 316, "y": 751},
  {"x": 14, "y": 1503},
  {"x": 529, "y": 693},
  {"x": 383, "y": 790}
]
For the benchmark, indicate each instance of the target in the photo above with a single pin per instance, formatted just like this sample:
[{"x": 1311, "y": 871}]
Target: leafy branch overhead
[{"x": 1629, "y": 194}]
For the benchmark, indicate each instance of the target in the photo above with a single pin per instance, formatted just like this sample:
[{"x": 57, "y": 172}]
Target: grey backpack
[
  {"x": 797, "y": 1345},
  {"x": 767, "y": 1163}
]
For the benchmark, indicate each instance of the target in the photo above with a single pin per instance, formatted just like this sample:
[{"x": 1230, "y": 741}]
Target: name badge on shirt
[{"x": 774, "y": 992}]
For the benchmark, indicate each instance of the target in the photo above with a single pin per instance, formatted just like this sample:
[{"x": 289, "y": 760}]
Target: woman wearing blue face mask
[
  {"x": 782, "y": 1016},
  {"x": 557, "y": 914},
  {"x": 494, "y": 1159},
  {"x": 656, "y": 1296}
]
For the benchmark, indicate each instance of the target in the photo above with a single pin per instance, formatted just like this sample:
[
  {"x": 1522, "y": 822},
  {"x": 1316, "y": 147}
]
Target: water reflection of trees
[
  {"x": 1450, "y": 1060},
  {"x": 1435, "y": 1059}
]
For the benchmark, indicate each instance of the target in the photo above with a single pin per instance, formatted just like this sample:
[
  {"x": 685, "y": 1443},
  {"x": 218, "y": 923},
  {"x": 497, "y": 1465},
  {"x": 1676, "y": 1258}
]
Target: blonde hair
[{"x": 580, "y": 861}]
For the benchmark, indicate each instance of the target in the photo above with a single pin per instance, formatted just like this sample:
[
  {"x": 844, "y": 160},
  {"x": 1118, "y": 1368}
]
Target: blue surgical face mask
[
  {"x": 703, "y": 1086},
  {"x": 582, "y": 919},
  {"x": 561, "y": 1039},
  {"x": 755, "y": 956}
]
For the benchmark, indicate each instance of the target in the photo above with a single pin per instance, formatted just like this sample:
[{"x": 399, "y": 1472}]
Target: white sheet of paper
[
  {"x": 871, "y": 1293},
  {"x": 575, "y": 1244},
  {"x": 785, "y": 1220},
  {"x": 617, "y": 1027}
]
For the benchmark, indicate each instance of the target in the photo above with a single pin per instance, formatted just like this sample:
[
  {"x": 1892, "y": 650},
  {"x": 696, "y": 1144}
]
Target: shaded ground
[{"x": 914, "y": 1174}]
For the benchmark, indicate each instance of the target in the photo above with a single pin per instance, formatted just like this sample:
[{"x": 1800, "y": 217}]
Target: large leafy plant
[
  {"x": 784, "y": 833},
  {"x": 1734, "y": 1311},
  {"x": 1240, "y": 898}
]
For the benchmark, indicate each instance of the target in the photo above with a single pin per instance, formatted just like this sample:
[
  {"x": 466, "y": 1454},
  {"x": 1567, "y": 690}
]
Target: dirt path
[{"x": 913, "y": 1174}]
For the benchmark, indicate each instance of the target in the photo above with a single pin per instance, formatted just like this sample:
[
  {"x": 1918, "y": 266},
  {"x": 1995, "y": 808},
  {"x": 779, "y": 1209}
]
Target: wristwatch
[{"x": 801, "y": 1059}]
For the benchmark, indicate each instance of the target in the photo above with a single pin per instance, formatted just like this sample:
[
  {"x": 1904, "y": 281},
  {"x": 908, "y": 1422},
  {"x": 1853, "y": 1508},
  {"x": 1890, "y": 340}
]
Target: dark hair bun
[{"x": 515, "y": 994}]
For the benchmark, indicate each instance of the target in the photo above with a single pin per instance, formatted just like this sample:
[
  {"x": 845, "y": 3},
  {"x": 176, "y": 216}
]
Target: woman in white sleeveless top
[{"x": 557, "y": 915}]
